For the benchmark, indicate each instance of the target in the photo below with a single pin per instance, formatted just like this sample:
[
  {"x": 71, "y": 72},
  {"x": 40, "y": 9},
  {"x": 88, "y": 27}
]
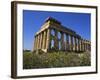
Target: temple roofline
[{"x": 52, "y": 19}]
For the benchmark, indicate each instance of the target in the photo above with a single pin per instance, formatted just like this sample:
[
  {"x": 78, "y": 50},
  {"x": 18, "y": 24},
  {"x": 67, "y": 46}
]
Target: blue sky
[{"x": 33, "y": 20}]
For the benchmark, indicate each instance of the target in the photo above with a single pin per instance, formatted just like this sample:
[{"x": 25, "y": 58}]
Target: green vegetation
[{"x": 40, "y": 59}]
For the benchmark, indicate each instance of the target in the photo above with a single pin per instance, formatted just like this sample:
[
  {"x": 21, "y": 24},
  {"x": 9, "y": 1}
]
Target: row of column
[
  {"x": 42, "y": 40},
  {"x": 71, "y": 43}
]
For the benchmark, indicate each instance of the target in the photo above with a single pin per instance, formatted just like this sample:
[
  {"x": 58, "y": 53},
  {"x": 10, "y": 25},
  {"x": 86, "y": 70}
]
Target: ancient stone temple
[{"x": 54, "y": 36}]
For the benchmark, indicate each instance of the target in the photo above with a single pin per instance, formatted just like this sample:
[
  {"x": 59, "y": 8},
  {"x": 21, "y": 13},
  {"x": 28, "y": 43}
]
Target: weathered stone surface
[{"x": 73, "y": 41}]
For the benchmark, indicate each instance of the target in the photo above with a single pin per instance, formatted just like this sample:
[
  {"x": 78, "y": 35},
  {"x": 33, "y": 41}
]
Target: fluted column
[
  {"x": 67, "y": 42},
  {"x": 48, "y": 41},
  {"x": 40, "y": 40},
  {"x": 78, "y": 44},
  {"x": 56, "y": 40},
  {"x": 84, "y": 45},
  {"x": 44, "y": 39},
  {"x": 89, "y": 46},
  {"x": 71, "y": 43},
  {"x": 81, "y": 45},
  {"x": 75, "y": 43},
  {"x": 34, "y": 43},
  {"x": 62, "y": 41},
  {"x": 37, "y": 41}
]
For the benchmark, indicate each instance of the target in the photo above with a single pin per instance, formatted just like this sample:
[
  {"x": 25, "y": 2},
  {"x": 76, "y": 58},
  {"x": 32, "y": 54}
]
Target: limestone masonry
[{"x": 50, "y": 32}]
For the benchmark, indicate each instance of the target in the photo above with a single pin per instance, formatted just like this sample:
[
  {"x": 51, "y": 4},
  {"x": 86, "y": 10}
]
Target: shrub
[
  {"x": 27, "y": 60},
  {"x": 85, "y": 59},
  {"x": 55, "y": 59}
]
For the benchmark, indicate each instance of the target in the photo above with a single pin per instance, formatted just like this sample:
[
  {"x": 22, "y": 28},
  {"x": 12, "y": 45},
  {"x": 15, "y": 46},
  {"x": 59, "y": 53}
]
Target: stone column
[
  {"x": 81, "y": 45},
  {"x": 40, "y": 40},
  {"x": 71, "y": 42},
  {"x": 37, "y": 42},
  {"x": 34, "y": 43},
  {"x": 85, "y": 45},
  {"x": 67, "y": 42},
  {"x": 56, "y": 40},
  {"x": 78, "y": 44},
  {"x": 75, "y": 43},
  {"x": 62, "y": 41},
  {"x": 89, "y": 47},
  {"x": 44, "y": 39},
  {"x": 48, "y": 41}
]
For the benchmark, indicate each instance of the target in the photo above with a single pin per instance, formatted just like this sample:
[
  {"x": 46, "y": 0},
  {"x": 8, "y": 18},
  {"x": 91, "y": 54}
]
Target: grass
[{"x": 55, "y": 59}]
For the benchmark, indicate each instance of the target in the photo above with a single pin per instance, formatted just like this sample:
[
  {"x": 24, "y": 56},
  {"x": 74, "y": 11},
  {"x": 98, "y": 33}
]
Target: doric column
[
  {"x": 44, "y": 39},
  {"x": 78, "y": 44},
  {"x": 67, "y": 42},
  {"x": 62, "y": 41},
  {"x": 37, "y": 42},
  {"x": 34, "y": 43},
  {"x": 48, "y": 42},
  {"x": 81, "y": 45},
  {"x": 56, "y": 40},
  {"x": 40, "y": 40},
  {"x": 75, "y": 42},
  {"x": 89, "y": 47},
  {"x": 71, "y": 42},
  {"x": 85, "y": 45}
]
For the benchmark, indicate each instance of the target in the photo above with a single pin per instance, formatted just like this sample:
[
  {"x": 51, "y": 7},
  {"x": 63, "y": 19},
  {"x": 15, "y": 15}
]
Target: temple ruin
[{"x": 54, "y": 36}]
